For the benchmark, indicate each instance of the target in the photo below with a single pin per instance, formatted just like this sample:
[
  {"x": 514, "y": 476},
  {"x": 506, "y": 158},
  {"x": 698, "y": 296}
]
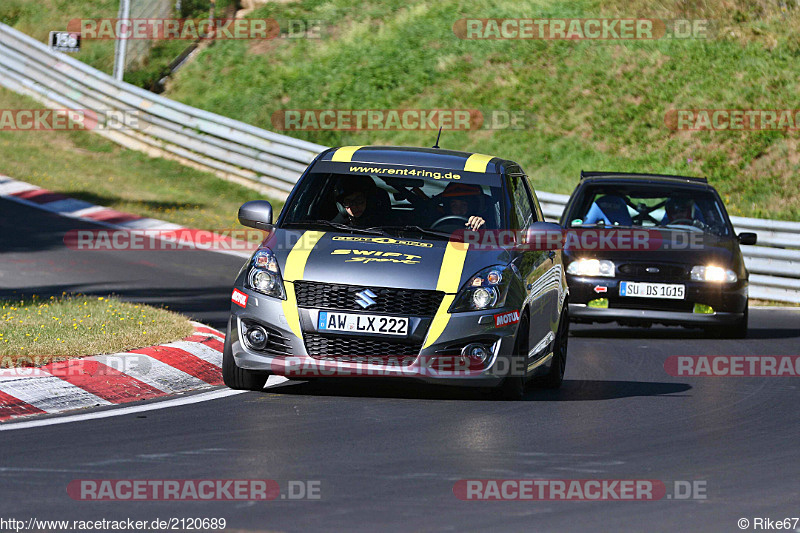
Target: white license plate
[
  {"x": 652, "y": 290},
  {"x": 351, "y": 322}
]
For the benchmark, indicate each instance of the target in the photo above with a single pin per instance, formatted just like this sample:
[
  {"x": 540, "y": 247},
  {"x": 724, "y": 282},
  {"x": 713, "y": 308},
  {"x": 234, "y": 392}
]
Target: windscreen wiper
[{"x": 336, "y": 225}]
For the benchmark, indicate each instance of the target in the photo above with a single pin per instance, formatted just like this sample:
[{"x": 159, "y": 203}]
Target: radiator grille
[{"x": 311, "y": 294}]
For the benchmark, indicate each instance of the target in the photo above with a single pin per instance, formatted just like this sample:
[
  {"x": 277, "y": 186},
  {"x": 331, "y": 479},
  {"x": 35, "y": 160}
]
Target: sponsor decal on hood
[
  {"x": 382, "y": 240},
  {"x": 376, "y": 256}
]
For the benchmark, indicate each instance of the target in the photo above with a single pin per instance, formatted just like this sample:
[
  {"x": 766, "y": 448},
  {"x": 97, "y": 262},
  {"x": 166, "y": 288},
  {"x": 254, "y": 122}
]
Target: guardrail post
[{"x": 121, "y": 44}]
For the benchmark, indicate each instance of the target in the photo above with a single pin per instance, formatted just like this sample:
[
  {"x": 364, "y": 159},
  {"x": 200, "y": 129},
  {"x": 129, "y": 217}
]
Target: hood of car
[{"x": 378, "y": 261}]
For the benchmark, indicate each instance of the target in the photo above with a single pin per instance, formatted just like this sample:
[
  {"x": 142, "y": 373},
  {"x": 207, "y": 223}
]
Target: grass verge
[
  {"x": 37, "y": 331},
  {"x": 86, "y": 166}
]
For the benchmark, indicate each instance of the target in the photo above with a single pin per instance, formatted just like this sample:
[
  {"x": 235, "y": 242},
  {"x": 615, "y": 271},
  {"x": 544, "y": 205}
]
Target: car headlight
[
  {"x": 591, "y": 267},
  {"x": 485, "y": 290},
  {"x": 714, "y": 274},
  {"x": 264, "y": 276}
]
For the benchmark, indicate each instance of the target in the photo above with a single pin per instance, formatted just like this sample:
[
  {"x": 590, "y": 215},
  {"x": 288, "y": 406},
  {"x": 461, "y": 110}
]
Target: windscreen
[
  {"x": 368, "y": 200},
  {"x": 650, "y": 206}
]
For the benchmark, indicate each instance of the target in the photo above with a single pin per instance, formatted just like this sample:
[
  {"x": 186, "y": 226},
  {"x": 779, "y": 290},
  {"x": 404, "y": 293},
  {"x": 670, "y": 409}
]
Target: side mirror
[
  {"x": 256, "y": 214},
  {"x": 544, "y": 236},
  {"x": 747, "y": 238}
]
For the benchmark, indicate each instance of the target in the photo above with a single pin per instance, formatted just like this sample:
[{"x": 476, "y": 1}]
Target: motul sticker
[
  {"x": 239, "y": 298},
  {"x": 505, "y": 319},
  {"x": 599, "y": 288}
]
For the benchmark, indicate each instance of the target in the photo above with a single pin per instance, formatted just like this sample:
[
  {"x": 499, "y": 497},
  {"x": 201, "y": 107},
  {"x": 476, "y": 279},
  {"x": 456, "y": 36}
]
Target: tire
[
  {"x": 239, "y": 378},
  {"x": 512, "y": 388},
  {"x": 737, "y": 330},
  {"x": 555, "y": 377}
]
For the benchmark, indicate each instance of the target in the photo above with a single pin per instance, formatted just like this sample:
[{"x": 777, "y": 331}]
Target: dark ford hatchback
[{"x": 645, "y": 249}]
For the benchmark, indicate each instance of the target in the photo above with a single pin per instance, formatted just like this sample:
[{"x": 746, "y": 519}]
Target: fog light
[
  {"x": 476, "y": 352},
  {"x": 703, "y": 309},
  {"x": 598, "y": 302},
  {"x": 256, "y": 337}
]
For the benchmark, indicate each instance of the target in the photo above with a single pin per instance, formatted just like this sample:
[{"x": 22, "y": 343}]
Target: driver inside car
[
  {"x": 355, "y": 200},
  {"x": 461, "y": 199},
  {"x": 679, "y": 211}
]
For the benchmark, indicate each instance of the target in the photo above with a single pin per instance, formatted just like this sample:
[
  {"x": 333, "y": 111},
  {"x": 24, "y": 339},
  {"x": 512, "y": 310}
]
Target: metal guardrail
[
  {"x": 239, "y": 151},
  {"x": 227, "y": 147}
]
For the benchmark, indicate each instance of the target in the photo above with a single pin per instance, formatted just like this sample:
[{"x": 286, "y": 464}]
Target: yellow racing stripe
[
  {"x": 345, "y": 154},
  {"x": 449, "y": 277},
  {"x": 295, "y": 266},
  {"x": 477, "y": 163}
]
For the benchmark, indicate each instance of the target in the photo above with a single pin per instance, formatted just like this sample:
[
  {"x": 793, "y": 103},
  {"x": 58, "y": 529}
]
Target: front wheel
[
  {"x": 239, "y": 378},
  {"x": 555, "y": 377}
]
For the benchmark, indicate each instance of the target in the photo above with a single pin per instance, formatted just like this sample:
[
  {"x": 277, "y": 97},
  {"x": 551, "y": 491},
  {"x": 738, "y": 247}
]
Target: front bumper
[
  {"x": 728, "y": 301},
  {"x": 438, "y": 363}
]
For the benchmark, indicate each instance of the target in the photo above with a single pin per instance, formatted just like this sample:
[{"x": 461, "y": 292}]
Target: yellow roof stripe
[
  {"x": 345, "y": 154},
  {"x": 477, "y": 163}
]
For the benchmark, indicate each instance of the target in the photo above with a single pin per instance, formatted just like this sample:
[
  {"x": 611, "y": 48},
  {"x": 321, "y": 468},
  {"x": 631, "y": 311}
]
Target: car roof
[
  {"x": 422, "y": 157},
  {"x": 589, "y": 177}
]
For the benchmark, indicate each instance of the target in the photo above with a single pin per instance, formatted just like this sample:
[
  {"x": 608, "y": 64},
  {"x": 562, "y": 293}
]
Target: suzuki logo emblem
[{"x": 365, "y": 298}]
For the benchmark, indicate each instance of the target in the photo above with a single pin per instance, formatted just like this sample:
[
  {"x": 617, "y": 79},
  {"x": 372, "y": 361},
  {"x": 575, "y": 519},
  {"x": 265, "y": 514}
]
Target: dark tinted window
[
  {"x": 402, "y": 201},
  {"x": 657, "y": 206},
  {"x": 523, "y": 211}
]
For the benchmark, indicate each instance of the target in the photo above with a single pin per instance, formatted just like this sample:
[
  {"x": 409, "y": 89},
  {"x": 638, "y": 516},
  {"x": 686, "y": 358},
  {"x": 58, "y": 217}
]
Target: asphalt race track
[{"x": 387, "y": 455}]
